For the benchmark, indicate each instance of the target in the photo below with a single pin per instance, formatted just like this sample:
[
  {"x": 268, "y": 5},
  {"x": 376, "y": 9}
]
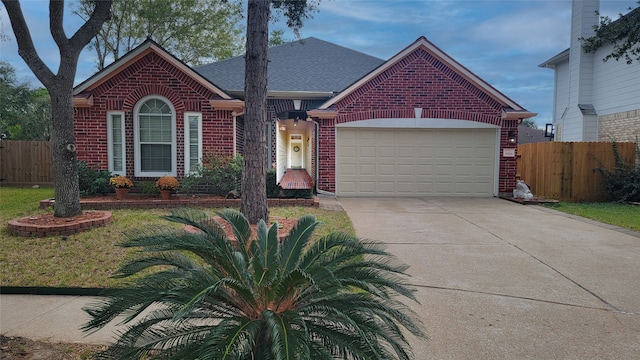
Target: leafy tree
[
  {"x": 530, "y": 123},
  {"x": 205, "y": 296},
  {"x": 26, "y": 113},
  {"x": 196, "y": 31},
  {"x": 623, "y": 33},
  {"x": 60, "y": 87},
  {"x": 254, "y": 195},
  {"x": 277, "y": 38}
]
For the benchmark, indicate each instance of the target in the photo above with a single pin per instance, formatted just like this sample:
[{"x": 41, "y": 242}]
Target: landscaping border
[
  {"x": 178, "y": 201},
  {"x": 21, "y": 226}
]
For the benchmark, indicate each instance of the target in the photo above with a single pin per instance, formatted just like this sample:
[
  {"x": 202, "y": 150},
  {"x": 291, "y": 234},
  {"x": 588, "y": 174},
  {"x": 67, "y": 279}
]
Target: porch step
[{"x": 296, "y": 179}]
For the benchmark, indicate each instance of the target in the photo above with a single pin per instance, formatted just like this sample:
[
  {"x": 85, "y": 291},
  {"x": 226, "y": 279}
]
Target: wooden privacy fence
[
  {"x": 25, "y": 162},
  {"x": 565, "y": 170}
]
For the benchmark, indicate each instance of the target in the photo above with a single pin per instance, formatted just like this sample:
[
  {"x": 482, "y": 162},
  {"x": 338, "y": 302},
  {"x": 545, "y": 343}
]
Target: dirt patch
[
  {"x": 284, "y": 226},
  {"x": 18, "y": 348},
  {"x": 50, "y": 220}
]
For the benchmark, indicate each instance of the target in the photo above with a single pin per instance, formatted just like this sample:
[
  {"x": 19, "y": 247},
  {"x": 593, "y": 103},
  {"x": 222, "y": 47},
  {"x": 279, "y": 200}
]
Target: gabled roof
[
  {"x": 515, "y": 111},
  {"x": 142, "y": 50},
  {"x": 309, "y": 67}
]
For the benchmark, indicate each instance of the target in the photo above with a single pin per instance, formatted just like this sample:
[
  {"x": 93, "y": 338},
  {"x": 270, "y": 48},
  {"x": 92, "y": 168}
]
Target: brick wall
[
  {"x": 149, "y": 75},
  {"x": 417, "y": 81},
  {"x": 621, "y": 127}
]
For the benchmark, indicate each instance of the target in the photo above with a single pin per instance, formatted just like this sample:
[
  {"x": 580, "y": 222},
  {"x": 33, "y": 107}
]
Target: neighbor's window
[
  {"x": 192, "y": 141},
  {"x": 155, "y": 137},
  {"x": 115, "y": 138}
]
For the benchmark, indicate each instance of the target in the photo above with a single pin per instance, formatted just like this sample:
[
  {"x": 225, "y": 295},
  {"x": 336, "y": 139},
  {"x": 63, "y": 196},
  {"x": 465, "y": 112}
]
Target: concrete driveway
[{"x": 499, "y": 280}]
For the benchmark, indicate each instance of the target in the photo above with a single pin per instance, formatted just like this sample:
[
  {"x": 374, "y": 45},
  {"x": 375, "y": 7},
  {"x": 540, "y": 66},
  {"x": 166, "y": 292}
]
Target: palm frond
[
  {"x": 198, "y": 295},
  {"x": 295, "y": 242}
]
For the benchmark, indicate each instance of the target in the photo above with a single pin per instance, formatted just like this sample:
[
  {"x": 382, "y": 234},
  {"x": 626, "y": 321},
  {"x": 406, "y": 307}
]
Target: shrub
[
  {"x": 148, "y": 188},
  {"x": 275, "y": 191},
  {"x": 623, "y": 183},
  {"x": 218, "y": 175},
  {"x": 93, "y": 181},
  {"x": 207, "y": 297}
]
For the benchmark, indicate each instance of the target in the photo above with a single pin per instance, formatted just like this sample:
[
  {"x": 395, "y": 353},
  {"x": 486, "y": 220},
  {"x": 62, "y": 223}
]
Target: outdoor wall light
[
  {"x": 282, "y": 128},
  {"x": 295, "y": 121},
  {"x": 512, "y": 137}
]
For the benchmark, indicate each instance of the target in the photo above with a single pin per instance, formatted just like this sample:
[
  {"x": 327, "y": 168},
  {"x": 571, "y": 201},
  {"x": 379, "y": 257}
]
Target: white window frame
[
  {"x": 187, "y": 140},
  {"x": 110, "y": 139},
  {"x": 136, "y": 139}
]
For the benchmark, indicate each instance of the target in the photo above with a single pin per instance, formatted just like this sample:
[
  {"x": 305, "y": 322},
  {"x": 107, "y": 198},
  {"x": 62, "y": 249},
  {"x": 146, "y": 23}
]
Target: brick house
[{"x": 418, "y": 124}]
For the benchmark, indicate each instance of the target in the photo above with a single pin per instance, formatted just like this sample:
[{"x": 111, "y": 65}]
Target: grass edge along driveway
[{"x": 626, "y": 216}]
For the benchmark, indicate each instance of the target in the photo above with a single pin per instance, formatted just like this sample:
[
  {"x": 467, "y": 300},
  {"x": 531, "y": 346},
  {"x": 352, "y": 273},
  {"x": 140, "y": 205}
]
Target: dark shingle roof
[
  {"x": 309, "y": 65},
  {"x": 527, "y": 135}
]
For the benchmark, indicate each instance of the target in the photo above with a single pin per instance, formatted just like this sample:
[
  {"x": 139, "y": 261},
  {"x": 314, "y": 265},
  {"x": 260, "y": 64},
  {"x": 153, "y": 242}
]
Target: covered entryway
[
  {"x": 429, "y": 158},
  {"x": 295, "y": 144}
]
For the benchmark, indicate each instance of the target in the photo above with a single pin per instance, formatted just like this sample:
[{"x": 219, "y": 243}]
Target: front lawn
[
  {"x": 623, "y": 215},
  {"x": 88, "y": 259}
]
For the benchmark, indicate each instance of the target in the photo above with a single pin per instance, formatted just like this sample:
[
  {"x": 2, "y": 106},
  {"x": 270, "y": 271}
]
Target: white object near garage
[{"x": 417, "y": 157}]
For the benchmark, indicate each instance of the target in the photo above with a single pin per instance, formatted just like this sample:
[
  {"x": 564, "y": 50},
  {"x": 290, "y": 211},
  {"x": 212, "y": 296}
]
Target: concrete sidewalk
[{"x": 495, "y": 280}]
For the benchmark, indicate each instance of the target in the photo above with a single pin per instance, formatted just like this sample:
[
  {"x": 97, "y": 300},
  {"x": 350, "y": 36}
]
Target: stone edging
[{"x": 19, "y": 228}]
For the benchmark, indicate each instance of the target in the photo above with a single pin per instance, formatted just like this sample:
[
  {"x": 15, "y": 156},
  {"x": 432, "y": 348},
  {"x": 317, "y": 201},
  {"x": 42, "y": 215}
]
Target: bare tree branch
[
  {"x": 26, "y": 50},
  {"x": 56, "y": 15}
]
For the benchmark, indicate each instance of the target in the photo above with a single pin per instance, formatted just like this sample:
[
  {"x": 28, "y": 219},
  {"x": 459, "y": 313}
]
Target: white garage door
[{"x": 415, "y": 162}]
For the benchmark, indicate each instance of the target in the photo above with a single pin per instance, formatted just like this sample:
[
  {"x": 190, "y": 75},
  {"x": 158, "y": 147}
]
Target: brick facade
[
  {"x": 419, "y": 80},
  {"x": 621, "y": 127},
  {"x": 150, "y": 75}
]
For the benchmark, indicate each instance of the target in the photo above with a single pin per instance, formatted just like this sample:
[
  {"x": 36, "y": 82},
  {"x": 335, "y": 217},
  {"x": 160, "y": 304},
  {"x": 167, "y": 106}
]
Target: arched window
[{"x": 155, "y": 135}]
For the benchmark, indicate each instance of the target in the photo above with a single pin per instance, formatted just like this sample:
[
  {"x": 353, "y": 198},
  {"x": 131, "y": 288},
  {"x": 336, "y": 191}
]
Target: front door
[{"x": 296, "y": 151}]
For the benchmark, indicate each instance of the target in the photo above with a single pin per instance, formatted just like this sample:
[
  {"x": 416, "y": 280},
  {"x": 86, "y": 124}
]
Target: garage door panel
[
  {"x": 366, "y": 169},
  {"x": 387, "y": 169},
  {"x": 417, "y": 162}
]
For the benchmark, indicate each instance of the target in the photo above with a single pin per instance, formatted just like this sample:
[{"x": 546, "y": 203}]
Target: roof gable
[
  {"x": 305, "y": 66},
  {"x": 147, "y": 47},
  {"x": 422, "y": 44}
]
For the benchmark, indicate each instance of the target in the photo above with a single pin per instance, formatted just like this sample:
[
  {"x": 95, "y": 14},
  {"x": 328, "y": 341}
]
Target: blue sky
[{"x": 502, "y": 41}]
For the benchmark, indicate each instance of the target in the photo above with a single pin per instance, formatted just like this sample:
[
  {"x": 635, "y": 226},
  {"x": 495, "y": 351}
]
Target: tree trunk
[
  {"x": 254, "y": 192},
  {"x": 65, "y": 159},
  {"x": 60, "y": 86}
]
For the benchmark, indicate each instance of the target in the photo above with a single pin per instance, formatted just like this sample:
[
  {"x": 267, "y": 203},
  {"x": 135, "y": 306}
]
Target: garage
[{"x": 433, "y": 158}]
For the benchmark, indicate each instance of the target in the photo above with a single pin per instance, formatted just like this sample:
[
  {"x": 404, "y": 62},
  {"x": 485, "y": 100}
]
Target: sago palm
[{"x": 201, "y": 295}]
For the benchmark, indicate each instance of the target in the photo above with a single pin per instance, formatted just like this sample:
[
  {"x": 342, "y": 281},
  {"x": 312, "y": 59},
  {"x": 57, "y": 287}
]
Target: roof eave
[
  {"x": 517, "y": 115},
  {"x": 551, "y": 63}
]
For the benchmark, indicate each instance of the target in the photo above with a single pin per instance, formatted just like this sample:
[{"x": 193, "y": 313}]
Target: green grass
[
  {"x": 88, "y": 259},
  {"x": 623, "y": 215}
]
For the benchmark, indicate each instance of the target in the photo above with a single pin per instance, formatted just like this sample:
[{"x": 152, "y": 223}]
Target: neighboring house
[
  {"x": 527, "y": 135},
  {"x": 418, "y": 124},
  {"x": 593, "y": 100}
]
